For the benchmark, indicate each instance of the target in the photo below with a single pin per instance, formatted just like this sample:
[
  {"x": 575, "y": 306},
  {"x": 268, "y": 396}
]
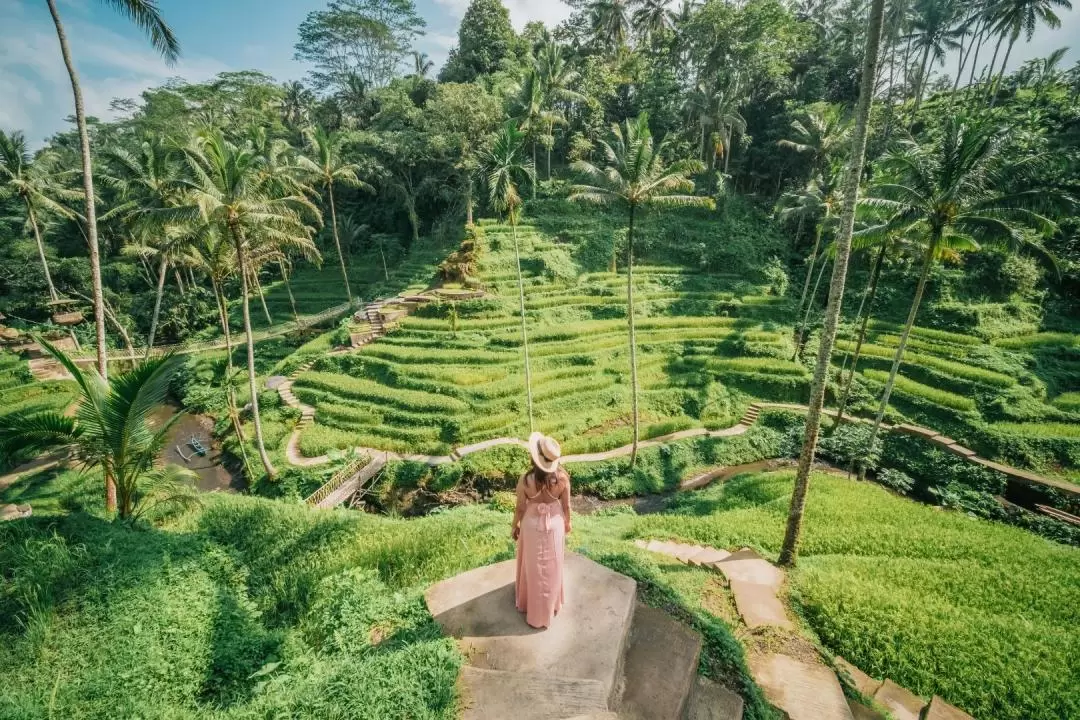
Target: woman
[{"x": 541, "y": 523}]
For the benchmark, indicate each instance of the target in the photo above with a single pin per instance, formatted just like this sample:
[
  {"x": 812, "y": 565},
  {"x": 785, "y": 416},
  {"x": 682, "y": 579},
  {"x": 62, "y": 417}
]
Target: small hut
[{"x": 64, "y": 314}]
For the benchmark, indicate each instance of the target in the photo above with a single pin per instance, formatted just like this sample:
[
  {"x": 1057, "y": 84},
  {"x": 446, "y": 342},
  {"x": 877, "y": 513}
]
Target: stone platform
[{"x": 603, "y": 657}]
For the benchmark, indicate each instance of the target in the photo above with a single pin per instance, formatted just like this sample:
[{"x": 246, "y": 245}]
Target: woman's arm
[
  {"x": 519, "y": 509},
  {"x": 564, "y": 499}
]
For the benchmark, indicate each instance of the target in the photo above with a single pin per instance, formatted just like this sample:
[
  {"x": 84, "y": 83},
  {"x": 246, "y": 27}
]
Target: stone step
[
  {"x": 856, "y": 678},
  {"x": 585, "y": 642},
  {"x": 941, "y": 710},
  {"x": 747, "y": 566},
  {"x": 709, "y": 555},
  {"x": 711, "y": 701},
  {"x": 497, "y": 694},
  {"x": 902, "y": 703},
  {"x": 660, "y": 667},
  {"x": 759, "y": 606},
  {"x": 862, "y": 712},
  {"x": 596, "y": 716},
  {"x": 802, "y": 690},
  {"x": 685, "y": 552}
]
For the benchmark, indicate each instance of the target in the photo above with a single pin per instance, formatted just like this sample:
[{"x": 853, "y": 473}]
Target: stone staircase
[
  {"x": 605, "y": 657},
  {"x": 751, "y": 415},
  {"x": 802, "y": 690},
  {"x": 48, "y": 368}
]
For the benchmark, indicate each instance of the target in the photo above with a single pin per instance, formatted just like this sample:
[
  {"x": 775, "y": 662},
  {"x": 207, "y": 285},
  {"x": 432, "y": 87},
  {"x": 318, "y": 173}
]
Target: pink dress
[{"x": 539, "y": 591}]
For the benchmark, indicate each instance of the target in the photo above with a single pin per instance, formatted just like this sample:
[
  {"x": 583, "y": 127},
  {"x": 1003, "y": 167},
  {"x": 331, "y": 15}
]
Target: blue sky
[{"x": 114, "y": 60}]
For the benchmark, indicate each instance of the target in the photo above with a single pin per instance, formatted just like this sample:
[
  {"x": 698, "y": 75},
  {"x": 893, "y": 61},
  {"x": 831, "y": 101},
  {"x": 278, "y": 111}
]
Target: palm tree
[
  {"x": 231, "y": 194},
  {"x": 327, "y": 168},
  {"x": 113, "y": 430},
  {"x": 960, "y": 192},
  {"x": 1016, "y": 17},
  {"x": 556, "y": 78},
  {"x": 27, "y": 179},
  {"x": 611, "y": 22},
  {"x": 822, "y": 134},
  {"x": 148, "y": 182},
  {"x": 533, "y": 116},
  {"x": 651, "y": 18},
  {"x": 697, "y": 107},
  {"x": 883, "y": 243},
  {"x": 856, "y": 160},
  {"x": 637, "y": 176},
  {"x": 422, "y": 64},
  {"x": 933, "y": 30},
  {"x": 283, "y": 174},
  {"x": 144, "y": 13},
  {"x": 296, "y": 102},
  {"x": 506, "y": 169},
  {"x": 818, "y": 203},
  {"x": 726, "y": 118},
  {"x": 1046, "y": 73}
]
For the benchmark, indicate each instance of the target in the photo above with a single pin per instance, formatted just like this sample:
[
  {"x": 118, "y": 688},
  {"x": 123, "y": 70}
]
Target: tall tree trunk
[
  {"x": 242, "y": 268},
  {"x": 162, "y": 267},
  {"x": 288, "y": 288},
  {"x": 91, "y": 210},
  {"x": 836, "y": 291},
  {"x": 993, "y": 64},
  {"x": 907, "y": 60},
  {"x": 524, "y": 333},
  {"x": 382, "y": 256},
  {"x": 41, "y": 249},
  {"x": 230, "y": 391},
  {"x": 800, "y": 341},
  {"x": 179, "y": 281},
  {"x": 468, "y": 207},
  {"x": 414, "y": 218},
  {"x": 923, "y": 70},
  {"x": 975, "y": 60},
  {"x": 809, "y": 275},
  {"x": 727, "y": 149},
  {"x": 223, "y": 314},
  {"x": 1001, "y": 75},
  {"x": 534, "y": 170},
  {"x": 551, "y": 135},
  {"x": 928, "y": 260},
  {"x": 633, "y": 337},
  {"x": 868, "y": 303},
  {"x": 262, "y": 296},
  {"x": 337, "y": 242}
]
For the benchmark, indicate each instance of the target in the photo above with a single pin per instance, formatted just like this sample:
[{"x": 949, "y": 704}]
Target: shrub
[{"x": 896, "y": 480}]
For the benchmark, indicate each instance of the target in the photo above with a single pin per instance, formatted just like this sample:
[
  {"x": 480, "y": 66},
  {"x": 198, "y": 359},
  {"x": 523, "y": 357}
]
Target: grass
[
  {"x": 1068, "y": 431},
  {"x": 909, "y": 388},
  {"x": 254, "y": 608},
  {"x": 1070, "y": 402},
  {"x": 979, "y": 613}
]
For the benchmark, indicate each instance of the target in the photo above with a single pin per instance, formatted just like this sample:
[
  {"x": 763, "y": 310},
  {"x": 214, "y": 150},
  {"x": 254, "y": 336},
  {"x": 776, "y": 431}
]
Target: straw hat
[{"x": 545, "y": 452}]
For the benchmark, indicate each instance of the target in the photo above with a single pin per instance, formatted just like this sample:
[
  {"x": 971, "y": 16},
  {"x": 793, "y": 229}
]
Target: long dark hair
[{"x": 544, "y": 479}]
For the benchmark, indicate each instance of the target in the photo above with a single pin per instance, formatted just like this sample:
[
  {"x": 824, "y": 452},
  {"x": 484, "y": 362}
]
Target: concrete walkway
[{"x": 794, "y": 678}]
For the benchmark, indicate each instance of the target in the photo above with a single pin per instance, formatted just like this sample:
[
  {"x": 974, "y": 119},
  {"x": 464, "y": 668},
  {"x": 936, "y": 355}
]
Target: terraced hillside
[
  {"x": 19, "y": 393},
  {"x": 1012, "y": 400},
  {"x": 706, "y": 350},
  {"x": 318, "y": 288},
  {"x": 710, "y": 344}
]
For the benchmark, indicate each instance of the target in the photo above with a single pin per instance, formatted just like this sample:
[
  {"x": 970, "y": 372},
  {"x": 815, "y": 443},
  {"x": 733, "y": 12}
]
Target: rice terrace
[{"x": 743, "y": 336}]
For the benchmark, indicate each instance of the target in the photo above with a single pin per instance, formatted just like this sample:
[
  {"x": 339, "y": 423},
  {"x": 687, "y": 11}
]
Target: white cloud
[
  {"x": 35, "y": 93},
  {"x": 550, "y": 12}
]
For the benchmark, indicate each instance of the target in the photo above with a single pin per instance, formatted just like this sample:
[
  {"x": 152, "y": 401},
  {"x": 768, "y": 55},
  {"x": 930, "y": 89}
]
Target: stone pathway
[
  {"x": 804, "y": 690},
  {"x": 604, "y": 657}
]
